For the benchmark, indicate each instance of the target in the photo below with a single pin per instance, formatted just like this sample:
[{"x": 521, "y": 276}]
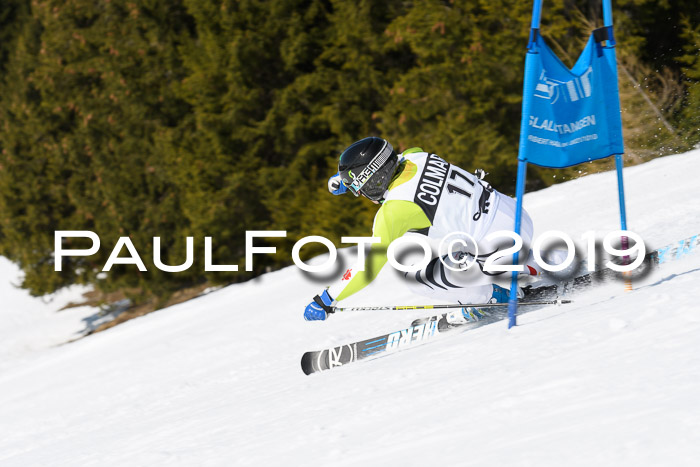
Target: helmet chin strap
[
  {"x": 396, "y": 170},
  {"x": 379, "y": 201}
]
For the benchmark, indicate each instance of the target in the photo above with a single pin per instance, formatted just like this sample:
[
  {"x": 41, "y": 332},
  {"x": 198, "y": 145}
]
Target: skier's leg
[
  {"x": 438, "y": 281},
  {"x": 430, "y": 283},
  {"x": 504, "y": 219}
]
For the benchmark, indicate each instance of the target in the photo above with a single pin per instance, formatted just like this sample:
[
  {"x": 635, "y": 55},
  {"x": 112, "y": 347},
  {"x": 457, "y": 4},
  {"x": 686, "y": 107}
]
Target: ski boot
[
  {"x": 463, "y": 316},
  {"x": 470, "y": 314}
]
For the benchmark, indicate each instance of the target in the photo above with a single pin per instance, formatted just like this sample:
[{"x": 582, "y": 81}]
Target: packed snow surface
[
  {"x": 28, "y": 324},
  {"x": 612, "y": 379}
]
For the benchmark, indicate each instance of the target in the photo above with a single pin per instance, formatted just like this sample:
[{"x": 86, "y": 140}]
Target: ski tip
[{"x": 307, "y": 363}]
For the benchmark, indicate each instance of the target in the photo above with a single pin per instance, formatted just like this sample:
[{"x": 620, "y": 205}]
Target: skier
[{"x": 421, "y": 194}]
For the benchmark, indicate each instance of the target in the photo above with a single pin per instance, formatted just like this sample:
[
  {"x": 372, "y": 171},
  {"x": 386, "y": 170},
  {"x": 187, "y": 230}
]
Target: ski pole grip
[{"x": 326, "y": 308}]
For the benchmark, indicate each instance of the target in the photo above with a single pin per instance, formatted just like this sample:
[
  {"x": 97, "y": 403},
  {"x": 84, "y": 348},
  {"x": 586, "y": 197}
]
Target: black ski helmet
[{"x": 366, "y": 167}]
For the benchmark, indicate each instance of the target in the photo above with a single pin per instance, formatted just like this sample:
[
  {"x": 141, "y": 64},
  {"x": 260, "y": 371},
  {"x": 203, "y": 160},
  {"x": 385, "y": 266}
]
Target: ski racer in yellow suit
[{"x": 421, "y": 194}]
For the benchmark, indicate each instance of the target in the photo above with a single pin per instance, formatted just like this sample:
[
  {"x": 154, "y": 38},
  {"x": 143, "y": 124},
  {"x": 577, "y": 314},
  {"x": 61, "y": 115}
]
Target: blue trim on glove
[
  {"x": 341, "y": 188},
  {"x": 315, "y": 311}
]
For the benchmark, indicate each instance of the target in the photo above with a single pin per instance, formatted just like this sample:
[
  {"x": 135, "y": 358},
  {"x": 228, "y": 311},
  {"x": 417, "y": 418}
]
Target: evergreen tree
[
  {"x": 90, "y": 90},
  {"x": 690, "y": 116},
  {"x": 199, "y": 118}
]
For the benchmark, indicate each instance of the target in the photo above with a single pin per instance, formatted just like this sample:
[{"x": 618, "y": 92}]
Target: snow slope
[
  {"x": 612, "y": 379},
  {"x": 28, "y": 324}
]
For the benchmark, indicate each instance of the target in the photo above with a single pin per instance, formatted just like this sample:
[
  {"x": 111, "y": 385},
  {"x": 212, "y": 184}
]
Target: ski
[
  {"x": 419, "y": 332},
  {"x": 429, "y": 329},
  {"x": 668, "y": 253},
  {"x": 671, "y": 252},
  {"x": 675, "y": 250},
  {"x": 321, "y": 360},
  {"x": 411, "y": 336}
]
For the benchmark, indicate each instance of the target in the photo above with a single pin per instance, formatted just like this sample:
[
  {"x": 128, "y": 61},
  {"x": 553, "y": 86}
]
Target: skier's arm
[{"x": 394, "y": 219}]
